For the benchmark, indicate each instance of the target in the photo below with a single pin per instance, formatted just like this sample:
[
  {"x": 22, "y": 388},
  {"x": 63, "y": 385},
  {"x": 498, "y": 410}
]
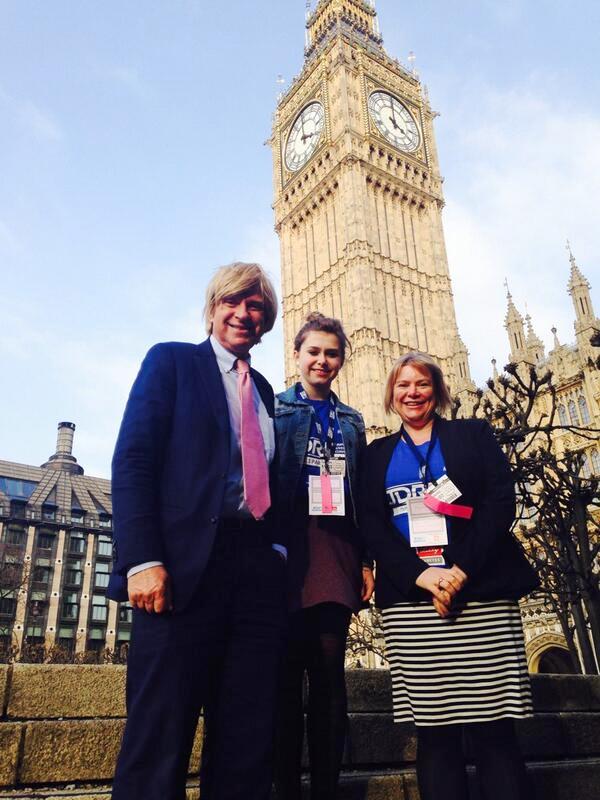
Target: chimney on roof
[
  {"x": 64, "y": 440},
  {"x": 64, "y": 459}
]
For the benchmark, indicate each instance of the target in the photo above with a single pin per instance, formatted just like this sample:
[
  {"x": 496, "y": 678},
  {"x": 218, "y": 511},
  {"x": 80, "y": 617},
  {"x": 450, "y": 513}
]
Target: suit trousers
[{"x": 221, "y": 654}]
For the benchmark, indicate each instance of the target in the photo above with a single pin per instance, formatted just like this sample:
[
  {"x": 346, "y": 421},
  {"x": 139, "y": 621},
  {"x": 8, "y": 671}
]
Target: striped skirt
[{"x": 469, "y": 667}]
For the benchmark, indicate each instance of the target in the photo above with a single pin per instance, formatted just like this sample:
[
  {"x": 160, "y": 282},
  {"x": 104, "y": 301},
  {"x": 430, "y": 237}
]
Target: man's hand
[
  {"x": 368, "y": 584},
  {"x": 150, "y": 590}
]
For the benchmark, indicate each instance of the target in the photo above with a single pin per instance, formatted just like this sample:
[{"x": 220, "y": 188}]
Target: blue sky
[{"x": 132, "y": 162}]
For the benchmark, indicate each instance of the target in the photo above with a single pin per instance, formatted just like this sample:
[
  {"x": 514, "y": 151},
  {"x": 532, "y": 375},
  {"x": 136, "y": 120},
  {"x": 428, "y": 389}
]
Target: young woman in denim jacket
[{"x": 328, "y": 580}]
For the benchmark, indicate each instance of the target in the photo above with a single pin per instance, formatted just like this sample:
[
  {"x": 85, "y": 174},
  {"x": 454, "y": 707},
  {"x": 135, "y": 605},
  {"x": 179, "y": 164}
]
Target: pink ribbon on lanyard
[
  {"x": 326, "y": 496},
  {"x": 448, "y": 509}
]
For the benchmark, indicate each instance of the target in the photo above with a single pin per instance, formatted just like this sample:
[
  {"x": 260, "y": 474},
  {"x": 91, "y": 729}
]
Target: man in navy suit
[{"x": 204, "y": 575}]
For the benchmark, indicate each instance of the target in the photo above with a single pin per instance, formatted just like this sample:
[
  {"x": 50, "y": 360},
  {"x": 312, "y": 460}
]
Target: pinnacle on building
[{"x": 358, "y": 204}]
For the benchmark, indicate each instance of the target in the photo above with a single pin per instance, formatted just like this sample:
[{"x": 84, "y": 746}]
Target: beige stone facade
[
  {"x": 576, "y": 376},
  {"x": 358, "y": 207}
]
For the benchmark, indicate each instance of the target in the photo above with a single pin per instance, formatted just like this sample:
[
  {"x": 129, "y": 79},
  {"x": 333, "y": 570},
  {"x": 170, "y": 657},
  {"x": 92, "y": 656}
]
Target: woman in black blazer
[{"x": 438, "y": 504}]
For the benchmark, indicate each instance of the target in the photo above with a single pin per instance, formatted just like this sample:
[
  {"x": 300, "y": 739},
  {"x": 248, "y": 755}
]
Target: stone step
[
  {"x": 370, "y": 690},
  {"x": 375, "y": 740},
  {"x": 571, "y": 779}
]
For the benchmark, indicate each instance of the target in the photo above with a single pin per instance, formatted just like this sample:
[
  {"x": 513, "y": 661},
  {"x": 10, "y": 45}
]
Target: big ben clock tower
[{"x": 358, "y": 205}]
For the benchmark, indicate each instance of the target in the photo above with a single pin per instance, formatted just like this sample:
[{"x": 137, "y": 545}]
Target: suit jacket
[
  {"x": 483, "y": 546},
  {"x": 170, "y": 464}
]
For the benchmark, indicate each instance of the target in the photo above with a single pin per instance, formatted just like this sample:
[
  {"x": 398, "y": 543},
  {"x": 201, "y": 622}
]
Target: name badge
[
  {"x": 326, "y": 496},
  {"x": 337, "y": 466},
  {"x": 444, "y": 490},
  {"x": 426, "y": 527}
]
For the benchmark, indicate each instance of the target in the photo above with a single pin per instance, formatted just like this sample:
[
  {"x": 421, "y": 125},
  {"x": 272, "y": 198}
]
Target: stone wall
[{"x": 60, "y": 730}]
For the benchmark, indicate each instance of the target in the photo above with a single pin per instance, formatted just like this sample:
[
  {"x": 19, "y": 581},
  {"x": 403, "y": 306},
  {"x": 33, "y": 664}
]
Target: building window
[
  {"x": 573, "y": 413},
  {"x": 16, "y": 489},
  {"x": 596, "y": 462},
  {"x": 96, "y": 639},
  {"x": 70, "y": 608},
  {"x": 102, "y": 575},
  {"x": 73, "y": 572},
  {"x": 77, "y": 516},
  {"x": 104, "y": 522},
  {"x": 49, "y": 513},
  {"x": 77, "y": 543},
  {"x": 125, "y": 613},
  {"x": 35, "y": 634},
  {"x": 584, "y": 410},
  {"x": 41, "y": 574},
  {"x": 104, "y": 546},
  {"x": 37, "y": 607},
  {"x": 15, "y": 534},
  {"x": 66, "y": 638},
  {"x": 99, "y": 608},
  {"x": 45, "y": 540},
  {"x": 562, "y": 415},
  {"x": 7, "y": 606}
]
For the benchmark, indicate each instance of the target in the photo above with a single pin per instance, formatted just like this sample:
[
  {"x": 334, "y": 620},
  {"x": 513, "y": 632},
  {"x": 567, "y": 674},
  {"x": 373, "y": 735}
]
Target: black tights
[
  {"x": 317, "y": 644},
  {"x": 500, "y": 769}
]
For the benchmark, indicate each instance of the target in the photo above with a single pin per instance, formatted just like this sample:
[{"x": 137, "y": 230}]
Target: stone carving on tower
[{"x": 358, "y": 207}]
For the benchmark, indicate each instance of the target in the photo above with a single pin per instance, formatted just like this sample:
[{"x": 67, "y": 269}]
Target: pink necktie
[{"x": 254, "y": 462}]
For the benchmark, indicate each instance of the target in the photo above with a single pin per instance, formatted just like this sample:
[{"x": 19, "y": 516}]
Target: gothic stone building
[
  {"x": 358, "y": 207},
  {"x": 576, "y": 377},
  {"x": 55, "y": 555}
]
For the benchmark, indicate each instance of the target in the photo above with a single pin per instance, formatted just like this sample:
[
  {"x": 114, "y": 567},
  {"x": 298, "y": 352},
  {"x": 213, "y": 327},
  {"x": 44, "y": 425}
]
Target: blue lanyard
[
  {"x": 423, "y": 462},
  {"x": 327, "y": 441}
]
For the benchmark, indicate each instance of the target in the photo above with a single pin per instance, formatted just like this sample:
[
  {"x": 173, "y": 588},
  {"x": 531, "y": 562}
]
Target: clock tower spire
[{"x": 358, "y": 203}]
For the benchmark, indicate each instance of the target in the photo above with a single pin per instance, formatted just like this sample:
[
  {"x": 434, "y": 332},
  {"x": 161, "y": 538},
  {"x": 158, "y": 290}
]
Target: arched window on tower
[
  {"x": 573, "y": 413},
  {"x": 562, "y": 415},
  {"x": 596, "y": 462},
  {"x": 584, "y": 411}
]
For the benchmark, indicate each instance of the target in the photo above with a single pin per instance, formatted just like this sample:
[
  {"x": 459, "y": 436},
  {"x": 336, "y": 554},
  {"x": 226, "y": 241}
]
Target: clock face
[
  {"x": 304, "y": 136},
  {"x": 394, "y": 121}
]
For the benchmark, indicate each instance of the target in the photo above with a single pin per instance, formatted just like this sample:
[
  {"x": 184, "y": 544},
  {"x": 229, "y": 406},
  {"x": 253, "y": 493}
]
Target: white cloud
[{"x": 533, "y": 180}]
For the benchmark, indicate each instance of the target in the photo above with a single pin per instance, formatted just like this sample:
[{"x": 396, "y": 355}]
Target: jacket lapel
[
  {"x": 383, "y": 462},
  {"x": 209, "y": 377}
]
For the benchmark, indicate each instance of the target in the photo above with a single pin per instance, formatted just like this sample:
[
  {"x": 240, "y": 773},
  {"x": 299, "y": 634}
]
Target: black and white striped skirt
[{"x": 470, "y": 667}]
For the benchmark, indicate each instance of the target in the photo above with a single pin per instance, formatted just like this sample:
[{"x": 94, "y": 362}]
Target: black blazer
[
  {"x": 169, "y": 467},
  {"x": 483, "y": 546}
]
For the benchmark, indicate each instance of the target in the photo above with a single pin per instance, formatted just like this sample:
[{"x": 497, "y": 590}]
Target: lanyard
[
  {"x": 327, "y": 442},
  {"x": 424, "y": 469}
]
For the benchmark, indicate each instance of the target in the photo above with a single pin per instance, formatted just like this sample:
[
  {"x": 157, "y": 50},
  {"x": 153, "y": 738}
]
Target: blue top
[
  {"x": 293, "y": 422},
  {"x": 313, "y": 458},
  {"x": 403, "y": 480}
]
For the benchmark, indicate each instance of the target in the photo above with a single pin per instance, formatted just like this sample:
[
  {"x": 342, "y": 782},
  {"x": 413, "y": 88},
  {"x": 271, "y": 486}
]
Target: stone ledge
[
  {"x": 52, "y": 691},
  {"x": 4, "y": 673},
  {"x": 70, "y": 751},
  {"x": 80, "y": 691},
  {"x": 75, "y": 751},
  {"x": 10, "y": 742},
  {"x": 562, "y": 780}
]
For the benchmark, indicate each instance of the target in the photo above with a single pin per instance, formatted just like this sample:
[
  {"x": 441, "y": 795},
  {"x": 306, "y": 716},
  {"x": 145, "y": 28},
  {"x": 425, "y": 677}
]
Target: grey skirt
[{"x": 470, "y": 667}]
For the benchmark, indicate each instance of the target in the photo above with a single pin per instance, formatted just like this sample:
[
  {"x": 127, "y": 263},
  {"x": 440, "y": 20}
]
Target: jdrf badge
[
  {"x": 326, "y": 495},
  {"x": 426, "y": 528}
]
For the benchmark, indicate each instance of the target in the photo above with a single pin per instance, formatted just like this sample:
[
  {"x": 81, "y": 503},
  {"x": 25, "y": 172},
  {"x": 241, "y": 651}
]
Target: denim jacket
[{"x": 292, "y": 427}]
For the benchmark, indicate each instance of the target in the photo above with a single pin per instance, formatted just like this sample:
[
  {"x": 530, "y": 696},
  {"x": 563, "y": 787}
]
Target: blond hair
[
  {"x": 239, "y": 280},
  {"x": 424, "y": 363}
]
